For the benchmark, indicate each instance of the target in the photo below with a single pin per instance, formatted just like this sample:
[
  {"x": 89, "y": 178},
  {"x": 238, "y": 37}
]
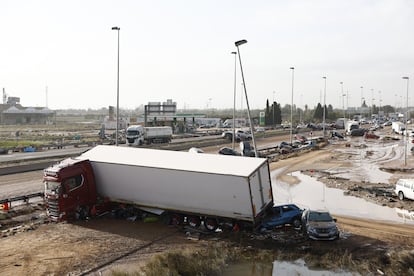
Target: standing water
[{"x": 313, "y": 194}]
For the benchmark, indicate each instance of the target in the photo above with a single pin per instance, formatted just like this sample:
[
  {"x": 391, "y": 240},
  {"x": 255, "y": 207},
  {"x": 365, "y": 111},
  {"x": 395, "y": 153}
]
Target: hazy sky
[{"x": 181, "y": 50}]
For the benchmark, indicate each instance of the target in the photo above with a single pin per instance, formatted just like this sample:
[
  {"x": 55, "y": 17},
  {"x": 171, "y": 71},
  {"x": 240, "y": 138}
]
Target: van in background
[{"x": 404, "y": 188}]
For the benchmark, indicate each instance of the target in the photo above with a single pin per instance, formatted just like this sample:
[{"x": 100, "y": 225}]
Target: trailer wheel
[
  {"x": 194, "y": 221},
  {"x": 210, "y": 224},
  {"x": 177, "y": 219}
]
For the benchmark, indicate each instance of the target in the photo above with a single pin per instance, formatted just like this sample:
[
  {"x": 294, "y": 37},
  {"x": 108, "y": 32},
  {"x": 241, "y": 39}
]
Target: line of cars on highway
[{"x": 315, "y": 224}]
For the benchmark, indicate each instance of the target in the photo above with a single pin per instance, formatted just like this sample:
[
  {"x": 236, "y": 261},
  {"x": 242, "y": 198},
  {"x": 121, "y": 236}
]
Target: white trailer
[
  {"x": 398, "y": 127},
  {"x": 195, "y": 185},
  {"x": 137, "y": 135}
]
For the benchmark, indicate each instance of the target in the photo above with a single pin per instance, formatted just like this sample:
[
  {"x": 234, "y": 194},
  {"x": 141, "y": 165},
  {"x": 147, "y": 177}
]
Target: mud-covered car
[
  {"x": 319, "y": 225},
  {"x": 281, "y": 215}
]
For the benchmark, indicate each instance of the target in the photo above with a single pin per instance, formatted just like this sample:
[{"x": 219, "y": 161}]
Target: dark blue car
[{"x": 282, "y": 215}]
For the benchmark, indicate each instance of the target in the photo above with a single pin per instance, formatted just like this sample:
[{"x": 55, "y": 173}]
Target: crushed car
[
  {"x": 286, "y": 214},
  {"x": 319, "y": 225}
]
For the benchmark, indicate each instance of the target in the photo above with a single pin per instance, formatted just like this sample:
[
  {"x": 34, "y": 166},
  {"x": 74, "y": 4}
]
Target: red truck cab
[{"x": 70, "y": 190}]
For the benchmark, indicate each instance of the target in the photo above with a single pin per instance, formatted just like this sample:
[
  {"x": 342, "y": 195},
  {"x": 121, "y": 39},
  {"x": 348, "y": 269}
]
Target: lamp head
[
  {"x": 240, "y": 42},
  {"x": 234, "y": 53},
  {"x": 116, "y": 28},
  {"x": 405, "y": 78},
  {"x": 292, "y": 68}
]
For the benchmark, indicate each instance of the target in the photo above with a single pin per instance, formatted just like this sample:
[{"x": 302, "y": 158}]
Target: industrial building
[{"x": 13, "y": 113}]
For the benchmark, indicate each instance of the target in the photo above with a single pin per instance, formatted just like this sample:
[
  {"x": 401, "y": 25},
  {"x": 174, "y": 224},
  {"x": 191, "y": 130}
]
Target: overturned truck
[{"x": 185, "y": 187}]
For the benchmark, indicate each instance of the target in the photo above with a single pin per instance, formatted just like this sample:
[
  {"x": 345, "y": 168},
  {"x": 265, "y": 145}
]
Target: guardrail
[{"x": 6, "y": 203}]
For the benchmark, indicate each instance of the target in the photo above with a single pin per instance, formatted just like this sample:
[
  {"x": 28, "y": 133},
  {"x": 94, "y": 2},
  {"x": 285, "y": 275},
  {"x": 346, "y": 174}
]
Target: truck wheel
[
  {"x": 177, "y": 219},
  {"x": 401, "y": 195},
  {"x": 210, "y": 224},
  {"x": 82, "y": 213},
  {"x": 194, "y": 221}
]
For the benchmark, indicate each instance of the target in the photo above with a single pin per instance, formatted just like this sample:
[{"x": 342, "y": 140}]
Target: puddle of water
[
  {"x": 367, "y": 160},
  {"x": 279, "y": 268},
  {"x": 313, "y": 194}
]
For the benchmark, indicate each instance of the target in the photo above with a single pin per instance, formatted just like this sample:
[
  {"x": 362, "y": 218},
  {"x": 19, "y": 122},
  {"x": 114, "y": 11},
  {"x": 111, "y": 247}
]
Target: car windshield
[{"x": 319, "y": 216}]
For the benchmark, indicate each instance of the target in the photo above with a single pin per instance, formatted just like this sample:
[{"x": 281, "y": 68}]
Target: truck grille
[{"x": 53, "y": 208}]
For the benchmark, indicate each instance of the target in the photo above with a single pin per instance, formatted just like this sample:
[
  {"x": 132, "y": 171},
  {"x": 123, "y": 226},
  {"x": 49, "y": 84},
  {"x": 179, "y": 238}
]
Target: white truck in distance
[
  {"x": 137, "y": 135},
  {"x": 398, "y": 127}
]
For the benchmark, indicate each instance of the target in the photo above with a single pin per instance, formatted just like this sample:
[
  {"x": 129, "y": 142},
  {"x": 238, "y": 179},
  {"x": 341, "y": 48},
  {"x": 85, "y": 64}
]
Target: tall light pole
[
  {"x": 117, "y": 91},
  {"x": 360, "y": 113},
  {"x": 239, "y": 43},
  {"x": 380, "y": 102},
  {"x": 372, "y": 103},
  {"x": 406, "y": 121},
  {"x": 324, "y": 107},
  {"x": 273, "y": 109},
  {"x": 343, "y": 95},
  {"x": 291, "y": 107},
  {"x": 234, "y": 99}
]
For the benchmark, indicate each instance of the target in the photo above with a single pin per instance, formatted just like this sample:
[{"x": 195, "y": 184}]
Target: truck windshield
[
  {"x": 132, "y": 132},
  {"x": 52, "y": 186}
]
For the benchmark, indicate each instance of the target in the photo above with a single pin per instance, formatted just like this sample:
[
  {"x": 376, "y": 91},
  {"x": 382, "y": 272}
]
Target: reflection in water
[
  {"x": 279, "y": 268},
  {"x": 299, "y": 267},
  {"x": 313, "y": 194}
]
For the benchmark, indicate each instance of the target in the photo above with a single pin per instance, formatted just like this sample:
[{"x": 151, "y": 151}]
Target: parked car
[
  {"x": 195, "y": 150},
  {"x": 228, "y": 151},
  {"x": 371, "y": 135},
  {"x": 285, "y": 149},
  {"x": 240, "y": 135},
  {"x": 336, "y": 134},
  {"x": 301, "y": 138},
  {"x": 358, "y": 132},
  {"x": 319, "y": 225},
  {"x": 283, "y": 215}
]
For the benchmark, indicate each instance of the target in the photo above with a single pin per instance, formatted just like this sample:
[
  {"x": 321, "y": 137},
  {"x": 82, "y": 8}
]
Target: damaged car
[{"x": 319, "y": 225}]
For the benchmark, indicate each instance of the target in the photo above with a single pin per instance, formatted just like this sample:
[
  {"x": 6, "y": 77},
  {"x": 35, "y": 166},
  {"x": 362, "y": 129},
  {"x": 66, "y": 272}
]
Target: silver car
[{"x": 319, "y": 225}]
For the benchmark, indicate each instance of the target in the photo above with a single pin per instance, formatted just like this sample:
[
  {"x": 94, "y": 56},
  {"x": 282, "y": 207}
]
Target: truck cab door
[{"x": 74, "y": 193}]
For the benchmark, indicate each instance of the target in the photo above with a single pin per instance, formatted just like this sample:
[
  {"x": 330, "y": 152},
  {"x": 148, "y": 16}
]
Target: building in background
[{"x": 13, "y": 113}]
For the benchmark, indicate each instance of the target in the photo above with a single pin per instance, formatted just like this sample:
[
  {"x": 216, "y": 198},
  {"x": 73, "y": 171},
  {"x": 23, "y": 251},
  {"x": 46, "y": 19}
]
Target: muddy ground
[{"x": 107, "y": 244}]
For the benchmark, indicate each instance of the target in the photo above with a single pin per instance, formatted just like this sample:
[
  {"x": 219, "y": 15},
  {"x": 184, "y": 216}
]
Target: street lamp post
[
  {"x": 273, "y": 109},
  {"x": 234, "y": 99},
  {"x": 406, "y": 121},
  {"x": 239, "y": 43},
  {"x": 343, "y": 95},
  {"x": 380, "y": 103},
  {"x": 324, "y": 107},
  {"x": 117, "y": 91},
  {"x": 291, "y": 107},
  {"x": 360, "y": 113}
]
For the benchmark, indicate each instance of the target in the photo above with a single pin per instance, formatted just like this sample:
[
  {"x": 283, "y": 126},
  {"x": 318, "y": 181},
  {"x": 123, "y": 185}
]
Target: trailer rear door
[{"x": 261, "y": 189}]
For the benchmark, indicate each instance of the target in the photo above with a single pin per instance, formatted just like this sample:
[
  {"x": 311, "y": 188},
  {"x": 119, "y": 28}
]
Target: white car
[{"x": 404, "y": 188}]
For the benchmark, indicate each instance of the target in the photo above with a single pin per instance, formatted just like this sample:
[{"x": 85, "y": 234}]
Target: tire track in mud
[{"x": 127, "y": 254}]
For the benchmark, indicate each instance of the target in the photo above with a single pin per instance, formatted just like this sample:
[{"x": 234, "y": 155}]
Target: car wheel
[
  {"x": 401, "y": 195},
  {"x": 296, "y": 222}
]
